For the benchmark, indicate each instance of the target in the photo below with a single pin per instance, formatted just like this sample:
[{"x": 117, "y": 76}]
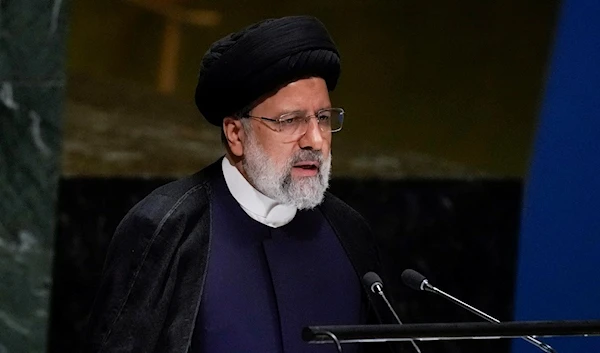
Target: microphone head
[
  {"x": 413, "y": 279},
  {"x": 370, "y": 279}
]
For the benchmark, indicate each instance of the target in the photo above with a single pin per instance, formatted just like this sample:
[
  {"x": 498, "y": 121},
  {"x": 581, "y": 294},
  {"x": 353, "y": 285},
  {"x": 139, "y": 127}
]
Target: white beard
[{"x": 277, "y": 182}]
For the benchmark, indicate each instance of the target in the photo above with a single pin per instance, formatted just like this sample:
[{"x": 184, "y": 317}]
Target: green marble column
[{"x": 32, "y": 84}]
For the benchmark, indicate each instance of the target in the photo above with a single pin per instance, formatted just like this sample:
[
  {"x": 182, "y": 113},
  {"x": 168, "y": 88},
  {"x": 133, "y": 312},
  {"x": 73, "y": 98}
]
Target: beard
[{"x": 276, "y": 181}]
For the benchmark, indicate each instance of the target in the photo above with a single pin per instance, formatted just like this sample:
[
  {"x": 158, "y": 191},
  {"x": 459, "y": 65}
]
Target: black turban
[{"x": 241, "y": 67}]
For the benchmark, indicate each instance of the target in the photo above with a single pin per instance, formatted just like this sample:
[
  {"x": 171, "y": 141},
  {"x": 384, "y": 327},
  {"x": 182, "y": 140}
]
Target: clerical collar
[{"x": 258, "y": 206}]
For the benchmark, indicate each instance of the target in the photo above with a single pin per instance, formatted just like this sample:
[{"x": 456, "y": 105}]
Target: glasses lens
[
  {"x": 336, "y": 119},
  {"x": 324, "y": 119},
  {"x": 297, "y": 122},
  {"x": 291, "y": 123}
]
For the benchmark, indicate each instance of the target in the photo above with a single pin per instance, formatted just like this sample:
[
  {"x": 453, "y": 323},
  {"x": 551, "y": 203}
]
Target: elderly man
[{"x": 243, "y": 254}]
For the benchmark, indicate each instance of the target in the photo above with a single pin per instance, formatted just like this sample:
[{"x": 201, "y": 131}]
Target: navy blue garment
[
  {"x": 153, "y": 281},
  {"x": 263, "y": 284}
]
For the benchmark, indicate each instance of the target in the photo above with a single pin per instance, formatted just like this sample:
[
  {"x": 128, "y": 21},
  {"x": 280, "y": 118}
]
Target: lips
[
  {"x": 307, "y": 165},
  {"x": 306, "y": 169}
]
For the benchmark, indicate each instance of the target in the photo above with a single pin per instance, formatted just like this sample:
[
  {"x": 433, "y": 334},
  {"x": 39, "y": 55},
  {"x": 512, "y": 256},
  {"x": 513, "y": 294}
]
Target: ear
[{"x": 234, "y": 133}]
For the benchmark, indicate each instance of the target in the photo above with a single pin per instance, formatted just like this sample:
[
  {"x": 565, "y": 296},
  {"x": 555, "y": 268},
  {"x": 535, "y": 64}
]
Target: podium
[{"x": 339, "y": 335}]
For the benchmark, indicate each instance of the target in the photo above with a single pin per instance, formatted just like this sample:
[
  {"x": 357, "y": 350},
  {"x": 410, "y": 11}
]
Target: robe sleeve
[{"x": 153, "y": 276}]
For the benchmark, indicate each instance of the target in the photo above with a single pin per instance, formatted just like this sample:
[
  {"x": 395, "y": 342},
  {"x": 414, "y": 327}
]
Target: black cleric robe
[{"x": 155, "y": 270}]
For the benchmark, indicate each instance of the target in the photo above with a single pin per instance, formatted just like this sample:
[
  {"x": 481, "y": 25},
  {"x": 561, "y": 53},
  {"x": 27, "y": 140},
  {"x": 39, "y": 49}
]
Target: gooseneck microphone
[
  {"x": 372, "y": 281},
  {"x": 417, "y": 281}
]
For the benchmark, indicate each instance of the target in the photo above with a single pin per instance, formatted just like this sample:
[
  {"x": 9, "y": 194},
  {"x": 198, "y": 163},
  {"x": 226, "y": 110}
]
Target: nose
[{"x": 313, "y": 138}]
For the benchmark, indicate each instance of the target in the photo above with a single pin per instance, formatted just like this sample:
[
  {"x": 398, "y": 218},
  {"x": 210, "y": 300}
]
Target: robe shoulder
[{"x": 155, "y": 255}]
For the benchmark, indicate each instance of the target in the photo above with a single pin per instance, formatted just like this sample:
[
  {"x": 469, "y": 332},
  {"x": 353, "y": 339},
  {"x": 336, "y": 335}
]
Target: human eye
[
  {"x": 287, "y": 120},
  {"x": 324, "y": 116},
  {"x": 291, "y": 118}
]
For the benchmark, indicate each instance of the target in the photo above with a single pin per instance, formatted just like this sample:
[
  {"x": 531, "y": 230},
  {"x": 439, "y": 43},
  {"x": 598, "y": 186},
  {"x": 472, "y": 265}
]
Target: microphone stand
[
  {"x": 429, "y": 288},
  {"x": 377, "y": 287}
]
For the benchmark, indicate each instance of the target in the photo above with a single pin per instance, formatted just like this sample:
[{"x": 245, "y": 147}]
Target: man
[{"x": 242, "y": 255}]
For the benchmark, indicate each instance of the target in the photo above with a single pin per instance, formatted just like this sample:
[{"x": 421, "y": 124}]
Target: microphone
[
  {"x": 417, "y": 281},
  {"x": 372, "y": 281}
]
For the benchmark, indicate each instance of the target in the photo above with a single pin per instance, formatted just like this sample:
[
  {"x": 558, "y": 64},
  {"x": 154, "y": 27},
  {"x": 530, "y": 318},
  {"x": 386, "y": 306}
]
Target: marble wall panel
[{"x": 32, "y": 83}]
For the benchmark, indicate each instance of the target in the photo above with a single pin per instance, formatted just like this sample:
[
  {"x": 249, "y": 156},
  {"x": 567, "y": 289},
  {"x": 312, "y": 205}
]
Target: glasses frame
[{"x": 306, "y": 118}]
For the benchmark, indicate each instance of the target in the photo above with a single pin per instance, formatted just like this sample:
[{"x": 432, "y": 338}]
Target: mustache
[{"x": 307, "y": 155}]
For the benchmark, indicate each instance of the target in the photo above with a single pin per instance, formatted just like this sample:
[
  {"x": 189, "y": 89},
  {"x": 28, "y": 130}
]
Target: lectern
[{"x": 339, "y": 335}]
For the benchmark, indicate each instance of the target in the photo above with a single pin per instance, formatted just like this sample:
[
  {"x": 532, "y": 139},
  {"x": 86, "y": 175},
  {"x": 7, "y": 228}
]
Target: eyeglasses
[{"x": 296, "y": 123}]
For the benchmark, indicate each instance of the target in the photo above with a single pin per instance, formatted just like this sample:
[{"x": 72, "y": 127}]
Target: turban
[{"x": 242, "y": 67}]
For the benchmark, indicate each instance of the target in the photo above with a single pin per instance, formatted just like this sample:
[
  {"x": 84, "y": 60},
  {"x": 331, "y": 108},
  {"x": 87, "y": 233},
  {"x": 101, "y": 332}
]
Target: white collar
[{"x": 258, "y": 206}]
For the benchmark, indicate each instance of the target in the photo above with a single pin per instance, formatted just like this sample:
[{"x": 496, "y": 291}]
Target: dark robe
[
  {"x": 263, "y": 284},
  {"x": 156, "y": 267}
]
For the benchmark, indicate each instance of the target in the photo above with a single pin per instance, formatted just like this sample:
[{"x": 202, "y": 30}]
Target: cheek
[
  {"x": 278, "y": 151},
  {"x": 326, "y": 148}
]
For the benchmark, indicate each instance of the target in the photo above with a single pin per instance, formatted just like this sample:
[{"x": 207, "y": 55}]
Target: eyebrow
[
  {"x": 289, "y": 111},
  {"x": 286, "y": 111}
]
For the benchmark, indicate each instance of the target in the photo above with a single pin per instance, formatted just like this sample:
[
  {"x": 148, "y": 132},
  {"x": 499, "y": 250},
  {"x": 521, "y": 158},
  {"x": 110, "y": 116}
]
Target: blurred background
[
  {"x": 440, "y": 89},
  {"x": 443, "y": 103}
]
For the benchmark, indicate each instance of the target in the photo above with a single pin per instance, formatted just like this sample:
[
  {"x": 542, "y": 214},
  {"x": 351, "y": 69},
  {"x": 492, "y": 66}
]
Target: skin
[{"x": 310, "y": 95}]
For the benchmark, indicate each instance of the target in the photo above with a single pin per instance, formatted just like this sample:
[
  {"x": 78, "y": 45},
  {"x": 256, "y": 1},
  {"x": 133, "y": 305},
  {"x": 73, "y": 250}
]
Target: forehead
[{"x": 309, "y": 94}]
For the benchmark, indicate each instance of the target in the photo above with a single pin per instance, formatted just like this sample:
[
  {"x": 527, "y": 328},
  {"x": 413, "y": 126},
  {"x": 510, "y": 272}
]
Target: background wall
[
  {"x": 560, "y": 244},
  {"x": 32, "y": 89},
  {"x": 432, "y": 89}
]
